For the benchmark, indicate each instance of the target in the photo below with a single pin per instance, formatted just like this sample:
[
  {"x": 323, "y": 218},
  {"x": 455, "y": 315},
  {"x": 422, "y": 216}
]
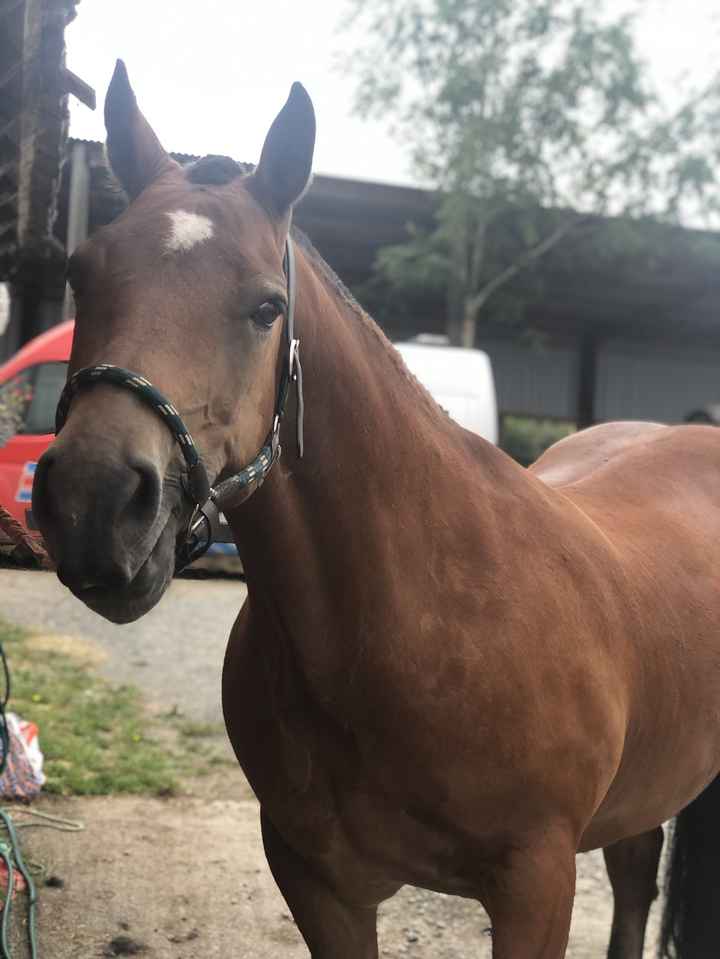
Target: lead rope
[{"x": 20, "y": 537}]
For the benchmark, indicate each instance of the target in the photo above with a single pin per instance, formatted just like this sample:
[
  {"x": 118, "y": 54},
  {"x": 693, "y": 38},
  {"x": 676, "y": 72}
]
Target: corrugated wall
[
  {"x": 534, "y": 380},
  {"x": 655, "y": 384},
  {"x": 633, "y": 381}
]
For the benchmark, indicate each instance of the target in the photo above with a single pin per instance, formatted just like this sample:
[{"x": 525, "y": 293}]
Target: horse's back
[
  {"x": 581, "y": 455},
  {"x": 614, "y": 460}
]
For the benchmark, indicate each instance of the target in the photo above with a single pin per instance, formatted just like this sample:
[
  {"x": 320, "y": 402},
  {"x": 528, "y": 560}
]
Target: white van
[{"x": 460, "y": 380}]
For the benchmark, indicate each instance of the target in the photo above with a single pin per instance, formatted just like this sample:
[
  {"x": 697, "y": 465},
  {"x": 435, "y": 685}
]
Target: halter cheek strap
[
  {"x": 209, "y": 501},
  {"x": 197, "y": 480}
]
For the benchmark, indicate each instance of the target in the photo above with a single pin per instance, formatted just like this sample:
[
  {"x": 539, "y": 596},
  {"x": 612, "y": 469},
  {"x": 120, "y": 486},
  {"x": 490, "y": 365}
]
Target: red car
[{"x": 30, "y": 386}]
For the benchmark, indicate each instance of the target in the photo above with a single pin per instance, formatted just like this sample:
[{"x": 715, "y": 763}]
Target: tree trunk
[
  {"x": 469, "y": 324},
  {"x": 456, "y": 299},
  {"x": 468, "y": 255},
  {"x": 463, "y": 322}
]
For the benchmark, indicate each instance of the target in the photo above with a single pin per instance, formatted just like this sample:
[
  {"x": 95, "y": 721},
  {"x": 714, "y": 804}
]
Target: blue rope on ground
[
  {"x": 13, "y": 858},
  {"x": 4, "y": 733}
]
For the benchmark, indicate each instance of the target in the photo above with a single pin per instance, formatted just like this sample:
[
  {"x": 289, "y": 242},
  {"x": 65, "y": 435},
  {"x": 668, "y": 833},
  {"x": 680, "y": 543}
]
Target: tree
[{"x": 511, "y": 105}]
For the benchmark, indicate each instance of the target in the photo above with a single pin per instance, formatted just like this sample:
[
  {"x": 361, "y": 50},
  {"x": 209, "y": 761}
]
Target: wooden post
[
  {"x": 586, "y": 381},
  {"x": 78, "y": 210}
]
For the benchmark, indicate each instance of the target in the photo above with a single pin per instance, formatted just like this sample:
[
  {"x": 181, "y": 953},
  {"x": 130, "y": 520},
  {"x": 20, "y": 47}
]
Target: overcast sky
[{"x": 211, "y": 76}]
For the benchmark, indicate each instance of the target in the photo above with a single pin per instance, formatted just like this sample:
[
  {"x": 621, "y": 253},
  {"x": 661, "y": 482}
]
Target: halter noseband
[{"x": 209, "y": 501}]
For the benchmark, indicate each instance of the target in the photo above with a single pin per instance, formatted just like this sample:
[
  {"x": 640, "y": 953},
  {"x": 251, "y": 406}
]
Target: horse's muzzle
[{"x": 100, "y": 517}]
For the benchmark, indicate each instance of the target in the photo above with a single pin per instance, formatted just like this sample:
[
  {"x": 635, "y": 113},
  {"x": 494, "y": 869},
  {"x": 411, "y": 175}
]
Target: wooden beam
[{"x": 71, "y": 83}]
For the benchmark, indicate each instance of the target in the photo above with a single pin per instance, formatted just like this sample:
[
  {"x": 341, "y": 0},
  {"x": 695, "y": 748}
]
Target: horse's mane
[
  {"x": 330, "y": 277},
  {"x": 215, "y": 170}
]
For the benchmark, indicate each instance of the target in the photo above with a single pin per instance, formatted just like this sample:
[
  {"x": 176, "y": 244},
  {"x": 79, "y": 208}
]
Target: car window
[
  {"x": 28, "y": 400},
  {"x": 48, "y": 384},
  {"x": 15, "y": 398}
]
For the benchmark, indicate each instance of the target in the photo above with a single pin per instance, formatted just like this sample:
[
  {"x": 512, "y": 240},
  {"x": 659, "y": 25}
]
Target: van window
[{"x": 28, "y": 400}]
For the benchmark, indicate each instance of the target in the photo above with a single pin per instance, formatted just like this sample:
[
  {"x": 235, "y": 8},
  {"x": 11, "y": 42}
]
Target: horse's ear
[
  {"x": 283, "y": 173},
  {"x": 135, "y": 153}
]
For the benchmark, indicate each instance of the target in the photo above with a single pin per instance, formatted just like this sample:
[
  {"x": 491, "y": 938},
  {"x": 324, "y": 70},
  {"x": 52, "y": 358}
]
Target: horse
[{"x": 450, "y": 671}]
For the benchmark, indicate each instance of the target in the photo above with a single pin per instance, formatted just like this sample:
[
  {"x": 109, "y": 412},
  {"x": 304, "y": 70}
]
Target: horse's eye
[{"x": 266, "y": 314}]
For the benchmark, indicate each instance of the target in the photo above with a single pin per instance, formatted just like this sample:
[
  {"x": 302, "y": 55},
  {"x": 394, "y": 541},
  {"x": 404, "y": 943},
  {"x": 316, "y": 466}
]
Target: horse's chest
[
  {"x": 312, "y": 781},
  {"x": 362, "y": 839},
  {"x": 360, "y": 825}
]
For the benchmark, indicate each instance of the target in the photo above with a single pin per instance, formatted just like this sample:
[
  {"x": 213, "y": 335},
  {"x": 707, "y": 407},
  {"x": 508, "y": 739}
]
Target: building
[{"x": 612, "y": 337}]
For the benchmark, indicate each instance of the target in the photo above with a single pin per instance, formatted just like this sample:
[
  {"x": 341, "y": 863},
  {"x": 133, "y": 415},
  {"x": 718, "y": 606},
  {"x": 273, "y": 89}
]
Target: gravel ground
[{"x": 186, "y": 877}]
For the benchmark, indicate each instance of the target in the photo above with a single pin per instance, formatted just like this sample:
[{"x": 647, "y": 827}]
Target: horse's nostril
[
  {"x": 108, "y": 575},
  {"x": 41, "y": 503},
  {"x": 103, "y": 545},
  {"x": 145, "y": 499}
]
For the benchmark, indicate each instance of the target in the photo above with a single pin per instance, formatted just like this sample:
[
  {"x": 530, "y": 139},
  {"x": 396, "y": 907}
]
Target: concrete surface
[{"x": 173, "y": 654}]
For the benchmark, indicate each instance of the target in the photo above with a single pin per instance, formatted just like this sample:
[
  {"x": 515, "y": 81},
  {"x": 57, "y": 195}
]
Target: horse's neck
[{"x": 330, "y": 539}]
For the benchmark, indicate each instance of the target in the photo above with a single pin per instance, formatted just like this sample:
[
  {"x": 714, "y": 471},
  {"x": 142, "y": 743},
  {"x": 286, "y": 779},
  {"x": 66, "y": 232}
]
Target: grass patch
[
  {"x": 197, "y": 730},
  {"x": 97, "y": 738}
]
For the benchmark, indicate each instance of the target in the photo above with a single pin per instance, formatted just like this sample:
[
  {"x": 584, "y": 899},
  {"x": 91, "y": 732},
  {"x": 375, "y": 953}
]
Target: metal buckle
[
  {"x": 200, "y": 534},
  {"x": 293, "y": 355}
]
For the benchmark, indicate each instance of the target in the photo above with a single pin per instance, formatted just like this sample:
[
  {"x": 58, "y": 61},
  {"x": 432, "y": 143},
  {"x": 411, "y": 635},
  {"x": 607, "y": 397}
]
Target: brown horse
[{"x": 450, "y": 671}]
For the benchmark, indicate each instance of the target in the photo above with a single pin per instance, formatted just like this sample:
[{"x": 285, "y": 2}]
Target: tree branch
[{"x": 482, "y": 296}]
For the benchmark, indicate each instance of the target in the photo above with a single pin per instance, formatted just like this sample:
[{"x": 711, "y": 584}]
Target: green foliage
[
  {"x": 15, "y": 397},
  {"x": 511, "y": 105},
  {"x": 525, "y": 438}
]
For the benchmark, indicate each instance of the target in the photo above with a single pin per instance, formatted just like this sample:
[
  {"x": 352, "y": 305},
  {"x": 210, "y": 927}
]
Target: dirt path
[{"x": 186, "y": 877}]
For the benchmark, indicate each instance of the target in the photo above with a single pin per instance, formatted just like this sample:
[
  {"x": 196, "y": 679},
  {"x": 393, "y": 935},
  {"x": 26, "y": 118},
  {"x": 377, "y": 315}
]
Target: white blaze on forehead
[{"x": 187, "y": 230}]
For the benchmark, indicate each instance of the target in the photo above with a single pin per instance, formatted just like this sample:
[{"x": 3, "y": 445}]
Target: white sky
[{"x": 211, "y": 76}]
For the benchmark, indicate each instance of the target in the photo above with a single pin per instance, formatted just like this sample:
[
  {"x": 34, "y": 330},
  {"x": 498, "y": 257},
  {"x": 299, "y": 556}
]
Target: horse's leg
[
  {"x": 632, "y": 866},
  {"x": 331, "y": 928},
  {"x": 530, "y": 902}
]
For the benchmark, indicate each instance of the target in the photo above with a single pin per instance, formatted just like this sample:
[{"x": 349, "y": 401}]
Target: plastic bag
[{"x": 23, "y": 777}]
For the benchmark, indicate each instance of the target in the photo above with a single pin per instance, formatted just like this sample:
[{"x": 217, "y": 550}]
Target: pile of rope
[
  {"x": 30, "y": 547},
  {"x": 11, "y": 855}
]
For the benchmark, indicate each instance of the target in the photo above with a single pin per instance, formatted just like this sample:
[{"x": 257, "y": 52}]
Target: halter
[{"x": 208, "y": 501}]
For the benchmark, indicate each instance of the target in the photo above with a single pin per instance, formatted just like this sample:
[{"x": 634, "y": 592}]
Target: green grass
[
  {"x": 197, "y": 730},
  {"x": 96, "y": 737}
]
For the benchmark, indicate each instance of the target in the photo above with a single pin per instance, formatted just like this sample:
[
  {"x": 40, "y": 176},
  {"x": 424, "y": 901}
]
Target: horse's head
[{"x": 186, "y": 289}]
